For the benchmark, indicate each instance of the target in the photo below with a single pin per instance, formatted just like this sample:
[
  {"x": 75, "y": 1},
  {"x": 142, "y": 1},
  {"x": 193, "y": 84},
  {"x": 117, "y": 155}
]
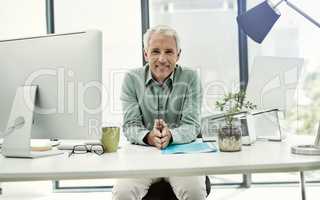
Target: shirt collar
[{"x": 149, "y": 77}]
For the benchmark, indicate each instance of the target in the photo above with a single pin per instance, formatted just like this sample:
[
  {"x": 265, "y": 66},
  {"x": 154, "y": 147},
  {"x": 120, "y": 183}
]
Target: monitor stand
[
  {"x": 18, "y": 132},
  {"x": 17, "y": 137}
]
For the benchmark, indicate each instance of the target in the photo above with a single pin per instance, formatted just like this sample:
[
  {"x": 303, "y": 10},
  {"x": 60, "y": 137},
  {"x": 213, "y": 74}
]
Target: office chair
[
  {"x": 272, "y": 87},
  {"x": 162, "y": 191}
]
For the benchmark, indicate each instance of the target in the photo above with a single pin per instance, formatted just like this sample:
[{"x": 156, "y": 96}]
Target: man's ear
[
  {"x": 179, "y": 54},
  {"x": 145, "y": 55}
]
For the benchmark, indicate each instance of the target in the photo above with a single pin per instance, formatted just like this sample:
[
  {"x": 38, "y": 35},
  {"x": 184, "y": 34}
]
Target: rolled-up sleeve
[
  {"x": 189, "y": 125},
  {"x": 133, "y": 128}
]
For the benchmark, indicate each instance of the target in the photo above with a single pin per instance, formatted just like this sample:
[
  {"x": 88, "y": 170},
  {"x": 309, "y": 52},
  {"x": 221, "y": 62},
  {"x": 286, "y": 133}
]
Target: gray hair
[{"x": 164, "y": 29}]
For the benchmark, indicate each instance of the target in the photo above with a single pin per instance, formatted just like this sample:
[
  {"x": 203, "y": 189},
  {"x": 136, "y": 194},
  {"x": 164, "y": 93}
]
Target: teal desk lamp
[{"x": 258, "y": 21}]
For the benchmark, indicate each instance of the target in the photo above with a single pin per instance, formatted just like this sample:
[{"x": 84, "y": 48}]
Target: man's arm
[
  {"x": 189, "y": 126},
  {"x": 133, "y": 127}
]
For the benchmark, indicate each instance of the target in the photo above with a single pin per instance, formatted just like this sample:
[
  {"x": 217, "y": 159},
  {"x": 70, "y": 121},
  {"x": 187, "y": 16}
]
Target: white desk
[{"x": 133, "y": 161}]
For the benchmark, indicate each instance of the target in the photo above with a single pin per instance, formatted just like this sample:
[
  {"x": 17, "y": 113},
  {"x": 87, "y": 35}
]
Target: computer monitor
[{"x": 67, "y": 69}]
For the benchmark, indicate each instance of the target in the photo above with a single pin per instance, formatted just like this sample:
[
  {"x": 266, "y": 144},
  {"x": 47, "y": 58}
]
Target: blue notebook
[{"x": 194, "y": 147}]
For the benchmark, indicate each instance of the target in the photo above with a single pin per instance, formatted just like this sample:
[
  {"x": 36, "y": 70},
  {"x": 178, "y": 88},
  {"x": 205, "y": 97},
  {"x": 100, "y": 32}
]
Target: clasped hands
[{"x": 160, "y": 135}]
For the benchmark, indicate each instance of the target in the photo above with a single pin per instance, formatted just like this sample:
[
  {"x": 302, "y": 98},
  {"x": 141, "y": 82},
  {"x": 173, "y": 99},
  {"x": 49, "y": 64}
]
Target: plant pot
[{"x": 229, "y": 138}]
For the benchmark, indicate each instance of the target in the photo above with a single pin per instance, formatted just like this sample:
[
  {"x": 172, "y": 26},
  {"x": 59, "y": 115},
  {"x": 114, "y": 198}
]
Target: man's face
[{"x": 162, "y": 55}]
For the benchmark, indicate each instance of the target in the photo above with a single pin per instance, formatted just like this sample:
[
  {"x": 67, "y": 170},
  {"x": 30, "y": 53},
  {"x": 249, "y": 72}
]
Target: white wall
[{"x": 21, "y": 18}]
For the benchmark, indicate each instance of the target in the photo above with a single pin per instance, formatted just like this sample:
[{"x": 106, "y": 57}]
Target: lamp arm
[
  {"x": 278, "y": 3},
  {"x": 302, "y": 13}
]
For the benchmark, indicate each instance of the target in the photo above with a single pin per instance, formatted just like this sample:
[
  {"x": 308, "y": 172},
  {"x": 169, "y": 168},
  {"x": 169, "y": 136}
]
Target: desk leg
[
  {"x": 55, "y": 185},
  {"x": 302, "y": 186},
  {"x": 246, "y": 180}
]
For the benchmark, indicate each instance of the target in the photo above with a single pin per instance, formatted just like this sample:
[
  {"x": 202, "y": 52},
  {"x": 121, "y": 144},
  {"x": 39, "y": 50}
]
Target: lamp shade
[{"x": 258, "y": 21}]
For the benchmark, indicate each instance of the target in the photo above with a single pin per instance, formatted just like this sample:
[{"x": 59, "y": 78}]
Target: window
[
  {"x": 294, "y": 36},
  {"x": 209, "y": 41}
]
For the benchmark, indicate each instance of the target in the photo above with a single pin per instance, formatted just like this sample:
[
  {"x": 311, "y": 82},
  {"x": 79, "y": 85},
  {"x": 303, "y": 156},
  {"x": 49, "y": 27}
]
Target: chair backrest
[{"x": 273, "y": 81}]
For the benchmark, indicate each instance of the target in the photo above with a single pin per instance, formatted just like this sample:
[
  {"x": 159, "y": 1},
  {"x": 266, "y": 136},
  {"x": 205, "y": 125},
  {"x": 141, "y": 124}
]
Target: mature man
[{"x": 161, "y": 103}]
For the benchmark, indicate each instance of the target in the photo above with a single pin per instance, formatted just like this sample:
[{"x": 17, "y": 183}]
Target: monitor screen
[{"x": 67, "y": 68}]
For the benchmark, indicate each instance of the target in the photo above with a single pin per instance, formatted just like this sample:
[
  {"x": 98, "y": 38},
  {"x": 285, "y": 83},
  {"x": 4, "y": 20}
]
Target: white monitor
[{"x": 67, "y": 68}]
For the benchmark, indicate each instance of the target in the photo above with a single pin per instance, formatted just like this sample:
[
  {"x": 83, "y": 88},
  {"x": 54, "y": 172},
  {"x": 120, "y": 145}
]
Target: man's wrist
[
  {"x": 145, "y": 139},
  {"x": 171, "y": 138}
]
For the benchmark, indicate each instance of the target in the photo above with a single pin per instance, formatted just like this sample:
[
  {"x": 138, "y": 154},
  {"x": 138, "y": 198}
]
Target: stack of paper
[
  {"x": 194, "y": 147},
  {"x": 40, "y": 145}
]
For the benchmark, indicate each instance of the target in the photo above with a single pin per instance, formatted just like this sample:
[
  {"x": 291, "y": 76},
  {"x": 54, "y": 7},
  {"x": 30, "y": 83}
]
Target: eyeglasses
[{"x": 81, "y": 149}]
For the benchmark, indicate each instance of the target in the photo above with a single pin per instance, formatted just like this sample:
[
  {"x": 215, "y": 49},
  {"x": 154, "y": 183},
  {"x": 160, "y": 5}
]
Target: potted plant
[{"x": 229, "y": 134}]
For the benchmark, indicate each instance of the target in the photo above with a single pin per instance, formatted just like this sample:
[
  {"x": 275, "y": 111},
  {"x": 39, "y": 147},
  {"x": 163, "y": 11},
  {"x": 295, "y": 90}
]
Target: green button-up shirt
[{"x": 177, "y": 101}]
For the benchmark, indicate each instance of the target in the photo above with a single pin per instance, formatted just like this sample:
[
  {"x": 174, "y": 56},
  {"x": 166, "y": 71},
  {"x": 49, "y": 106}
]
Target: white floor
[{"x": 42, "y": 190}]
